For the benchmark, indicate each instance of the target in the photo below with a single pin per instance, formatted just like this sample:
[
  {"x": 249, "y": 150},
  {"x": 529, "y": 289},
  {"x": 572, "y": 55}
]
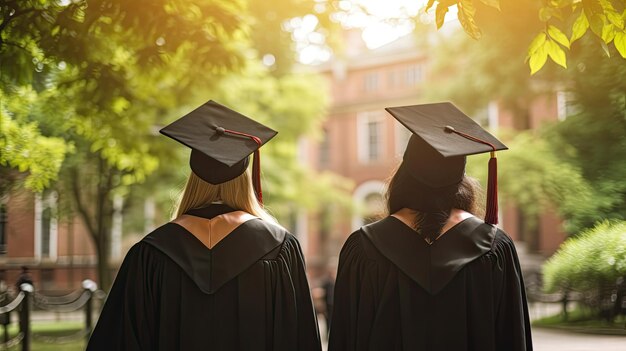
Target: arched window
[{"x": 368, "y": 198}]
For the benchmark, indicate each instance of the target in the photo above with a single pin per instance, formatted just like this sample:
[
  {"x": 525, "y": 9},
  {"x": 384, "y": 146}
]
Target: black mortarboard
[
  {"x": 221, "y": 141},
  {"x": 442, "y": 137}
]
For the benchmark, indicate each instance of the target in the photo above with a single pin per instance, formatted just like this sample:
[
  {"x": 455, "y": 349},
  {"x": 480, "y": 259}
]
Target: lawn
[
  {"x": 583, "y": 321},
  {"x": 55, "y": 329}
]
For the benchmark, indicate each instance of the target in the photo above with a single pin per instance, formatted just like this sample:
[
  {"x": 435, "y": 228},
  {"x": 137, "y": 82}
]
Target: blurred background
[{"x": 86, "y": 85}]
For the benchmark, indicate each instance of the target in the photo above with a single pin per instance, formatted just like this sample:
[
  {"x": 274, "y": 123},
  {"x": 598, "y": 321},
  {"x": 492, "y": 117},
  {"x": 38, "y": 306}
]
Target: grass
[
  {"x": 52, "y": 329},
  {"x": 580, "y": 320}
]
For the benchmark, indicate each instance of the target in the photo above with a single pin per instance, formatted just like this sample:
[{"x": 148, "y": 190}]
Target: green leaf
[
  {"x": 615, "y": 18},
  {"x": 620, "y": 43},
  {"x": 545, "y": 13},
  {"x": 558, "y": 36},
  {"x": 539, "y": 40},
  {"x": 608, "y": 32},
  {"x": 466, "y": 11},
  {"x": 492, "y": 3},
  {"x": 580, "y": 26},
  {"x": 429, "y": 5},
  {"x": 440, "y": 14},
  {"x": 596, "y": 22},
  {"x": 538, "y": 58},
  {"x": 592, "y": 7},
  {"x": 556, "y": 53}
]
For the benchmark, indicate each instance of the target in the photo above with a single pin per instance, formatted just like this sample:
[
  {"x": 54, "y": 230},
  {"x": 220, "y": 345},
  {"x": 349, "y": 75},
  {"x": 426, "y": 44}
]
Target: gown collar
[
  {"x": 431, "y": 266},
  {"x": 210, "y": 269}
]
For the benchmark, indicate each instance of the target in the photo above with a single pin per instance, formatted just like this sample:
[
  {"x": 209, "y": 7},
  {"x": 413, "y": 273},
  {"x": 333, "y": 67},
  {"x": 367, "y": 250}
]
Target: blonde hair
[{"x": 237, "y": 193}]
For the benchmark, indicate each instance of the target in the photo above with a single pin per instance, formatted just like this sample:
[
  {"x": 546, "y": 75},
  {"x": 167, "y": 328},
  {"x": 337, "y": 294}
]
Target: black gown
[
  {"x": 463, "y": 292},
  {"x": 249, "y": 292}
]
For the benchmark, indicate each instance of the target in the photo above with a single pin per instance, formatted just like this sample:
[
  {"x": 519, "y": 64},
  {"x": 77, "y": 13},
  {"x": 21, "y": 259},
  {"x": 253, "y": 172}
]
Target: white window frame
[
  {"x": 402, "y": 136},
  {"x": 359, "y": 195},
  {"x": 363, "y": 146},
  {"x": 41, "y": 203},
  {"x": 414, "y": 75},
  {"x": 493, "y": 116},
  {"x": 563, "y": 100},
  {"x": 371, "y": 82}
]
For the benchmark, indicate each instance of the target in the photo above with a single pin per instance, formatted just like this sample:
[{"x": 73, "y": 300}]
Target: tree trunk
[{"x": 97, "y": 216}]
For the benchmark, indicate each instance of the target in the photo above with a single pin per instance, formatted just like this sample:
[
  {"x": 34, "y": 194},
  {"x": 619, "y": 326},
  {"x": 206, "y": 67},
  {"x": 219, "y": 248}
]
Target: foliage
[
  {"x": 604, "y": 19},
  {"x": 593, "y": 262},
  {"x": 100, "y": 69},
  {"x": 473, "y": 74},
  {"x": 22, "y": 147},
  {"x": 536, "y": 179},
  {"x": 592, "y": 138}
]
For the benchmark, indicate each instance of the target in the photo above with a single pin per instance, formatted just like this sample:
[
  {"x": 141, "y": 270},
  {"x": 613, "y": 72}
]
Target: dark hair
[{"x": 433, "y": 205}]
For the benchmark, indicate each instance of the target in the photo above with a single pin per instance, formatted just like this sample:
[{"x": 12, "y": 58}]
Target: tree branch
[{"x": 80, "y": 205}]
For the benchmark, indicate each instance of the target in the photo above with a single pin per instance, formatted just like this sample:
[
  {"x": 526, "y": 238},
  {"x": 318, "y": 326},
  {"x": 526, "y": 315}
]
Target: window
[
  {"x": 395, "y": 78},
  {"x": 373, "y": 135},
  {"x": 368, "y": 198},
  {"x": 3, "y": 229},
  {"x": 370, "y": 136},
  {"x": 402, "y": 138},
  {"x": 324, "y": 149},
  {"x": 413, "y": 75},
  {"x": 370, "y": 82},
  {"x": 374, "y": 207},
  {"x": 46, "y": 226},
  {"x": 565, "y": 105}
]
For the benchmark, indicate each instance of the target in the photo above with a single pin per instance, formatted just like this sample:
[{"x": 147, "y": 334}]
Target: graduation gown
[
  {"x": 396, "y": 292},
  {"x": 249, "y": 292}
]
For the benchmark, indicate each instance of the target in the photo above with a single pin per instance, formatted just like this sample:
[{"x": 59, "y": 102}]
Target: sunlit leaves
[
  {"x": 601, "y": 16},
  {"x": 538, "y": 53},
  {"x": 620, "y": 43},
  {"x": 493, "y": 3},
  {"x": 558, "y": 36},
  {"x": 556, "y": 53},
  {"x": 429, "y": 5},
  {"x": 580, "y": 26},
  {"x": 466, "y": 17},
  {"x": 23, "y": 147},
  {"x": 440, "y": 14}
]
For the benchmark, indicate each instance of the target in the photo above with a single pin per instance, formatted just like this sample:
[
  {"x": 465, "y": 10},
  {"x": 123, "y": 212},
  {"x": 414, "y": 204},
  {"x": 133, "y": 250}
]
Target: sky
[{"x": 384, "y": 21}]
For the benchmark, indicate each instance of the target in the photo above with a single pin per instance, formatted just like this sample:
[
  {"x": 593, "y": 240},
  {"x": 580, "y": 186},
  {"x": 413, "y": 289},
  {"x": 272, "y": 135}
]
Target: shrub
[{"x": 594, "y": 264}]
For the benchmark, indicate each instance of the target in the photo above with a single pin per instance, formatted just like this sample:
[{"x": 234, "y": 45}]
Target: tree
[
  {"x": 24, "y": 150},
  {"x": 592, "y": 138},
  {"x": 97, "y": 67},
  {"x": 603, "y": 18},
  {"x": 108, "y": 73}
]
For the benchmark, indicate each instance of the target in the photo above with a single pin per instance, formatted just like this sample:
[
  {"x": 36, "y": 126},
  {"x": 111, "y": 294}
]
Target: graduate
[
  {"x": 431, "y": 275},
  {"x": 222, "y": 275}
]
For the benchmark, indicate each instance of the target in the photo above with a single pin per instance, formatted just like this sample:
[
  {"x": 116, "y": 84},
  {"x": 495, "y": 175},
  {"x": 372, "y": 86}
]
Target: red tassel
[
  {"x": 256, "y": 176},
  {"x": 491, "y": 215}
]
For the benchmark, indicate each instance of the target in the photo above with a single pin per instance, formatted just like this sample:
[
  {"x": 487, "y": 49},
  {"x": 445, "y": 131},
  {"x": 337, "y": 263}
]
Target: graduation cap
[
  {"x": 221, "y": 141},
  {"x": 442, "y": 138}
]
